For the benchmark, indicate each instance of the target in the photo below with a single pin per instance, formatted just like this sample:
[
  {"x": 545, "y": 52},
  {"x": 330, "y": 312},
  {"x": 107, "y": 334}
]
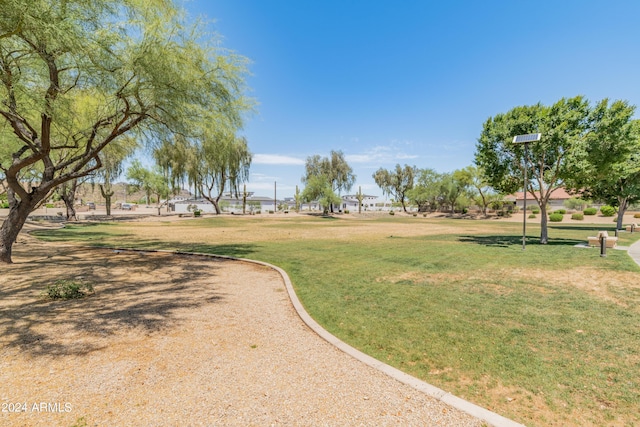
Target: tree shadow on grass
[
  {"x": 133, "y": 291},
  {"x": 507, "y": 241}
]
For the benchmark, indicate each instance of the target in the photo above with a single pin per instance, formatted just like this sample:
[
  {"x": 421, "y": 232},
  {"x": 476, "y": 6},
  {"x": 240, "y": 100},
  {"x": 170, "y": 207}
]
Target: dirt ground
[{"x": 178, "y": 340}]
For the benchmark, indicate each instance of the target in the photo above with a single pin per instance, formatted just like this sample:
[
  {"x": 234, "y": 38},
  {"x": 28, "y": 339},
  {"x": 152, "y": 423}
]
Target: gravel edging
[{"x": 483, "y": 414}]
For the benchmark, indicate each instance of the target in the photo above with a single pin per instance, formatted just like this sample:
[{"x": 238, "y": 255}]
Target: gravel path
[{"x": 146, "y": 349}]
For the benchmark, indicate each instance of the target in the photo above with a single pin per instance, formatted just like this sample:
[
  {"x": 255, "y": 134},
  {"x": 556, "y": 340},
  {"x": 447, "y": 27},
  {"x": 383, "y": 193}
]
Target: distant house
[{"x": 556, "y": 200}]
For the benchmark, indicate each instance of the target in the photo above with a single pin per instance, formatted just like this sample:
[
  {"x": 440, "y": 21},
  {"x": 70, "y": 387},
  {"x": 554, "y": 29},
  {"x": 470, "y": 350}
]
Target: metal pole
[
  {"x": 603, "y": 246},
  {"x": 524, "y": 216}
]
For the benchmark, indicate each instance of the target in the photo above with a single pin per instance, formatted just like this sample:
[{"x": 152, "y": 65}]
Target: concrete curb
[{"x": 489, "y": 417}]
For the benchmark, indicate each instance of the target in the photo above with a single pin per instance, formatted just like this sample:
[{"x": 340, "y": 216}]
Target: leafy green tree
[
  {"x": 396, "y": 182},
  {"x": 426, "y": 191},
  {"x": 548, "y": 161},
  {"x": 219, "y": 162},
  {"x": 606, "y": 164},
  {"x": 334, "y": 169},
  {"x": 77, "y": 75},
  {"x": 151, "y": 181},
  {"x": 318, "y": 187},
  {"x": 478, "y": 182}
]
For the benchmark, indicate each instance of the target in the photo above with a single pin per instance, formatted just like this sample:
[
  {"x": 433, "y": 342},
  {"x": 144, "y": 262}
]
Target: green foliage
[
  {"x": 636, "y": 215},
  {"x": 532, "y": 216},
  {"x": 560, "y": 211},
  {"x": 607, "y": 210},
  {"x": 335, "y": 170},
  {"x": 392, "y": 213},
  {"x": 535, "y": 211},
  {"x": 606, "y": 166},
  {"x": 548, "y": 162},
  {"x": 67, "y": 289},
  {"x": 575, "y": 203},
  {"x": 590, "y": 211},
  {"x": 396, "y": 183},
  {"x": 79, "y": 76},
  {"x": 577, "y": 216},
  {"x": 319, "y": 188},
  {"x": 556, "y": 217}
]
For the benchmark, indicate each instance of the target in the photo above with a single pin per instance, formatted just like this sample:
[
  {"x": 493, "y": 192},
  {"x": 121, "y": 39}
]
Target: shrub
[
  {"x": 560, "y": 211},
  {"x": 346, "y": 211},
  {"x": 392, "y": 213},
  {"x": 590, "y": 211},
  {"x": 66, "y": 289},
  {"x": 634, "y": 215},
  {"x": 197, "y": 213},
  {"x": 535, "y": 211},
  {"x": 49, "y": 205},
  {"x": 556, "y": 217},
  {"x": 607, "y": 210},
  {"x": 577, "y": 216},
  {"x": 532, "y": 216}
]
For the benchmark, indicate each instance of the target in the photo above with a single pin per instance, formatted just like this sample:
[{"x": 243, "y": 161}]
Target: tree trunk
[
  {"x": 68, "y": 196},
  {"x": 623, "y": 204},
  {"x": 18, "y": 213},
  {"x": 544, "y": 233}
]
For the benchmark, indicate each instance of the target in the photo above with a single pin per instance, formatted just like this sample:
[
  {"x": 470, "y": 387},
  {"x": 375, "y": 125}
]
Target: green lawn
[{"x": 545, "y": 336}]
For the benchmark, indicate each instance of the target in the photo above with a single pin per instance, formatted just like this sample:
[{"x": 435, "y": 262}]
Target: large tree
[
  {"x": 333, "y": 169},
  {"x": 151, "y": 181},
  {"x": 77, "y": 75},
  {"x": 396, "y": 182},
  {"x": 426, "y": 190},
  {"x": 219, "y": 162},
  {"x": 548, "y": 161},
  {"x": 606, "y": 164},
  {"x": 482, "y": 191}
]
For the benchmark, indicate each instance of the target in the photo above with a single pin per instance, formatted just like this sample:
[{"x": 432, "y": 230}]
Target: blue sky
[{"x": 412, "y": 82}]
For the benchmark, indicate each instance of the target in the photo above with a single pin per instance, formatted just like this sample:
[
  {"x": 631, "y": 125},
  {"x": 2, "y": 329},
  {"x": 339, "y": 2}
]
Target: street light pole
[{"x": 525, "y": 139}]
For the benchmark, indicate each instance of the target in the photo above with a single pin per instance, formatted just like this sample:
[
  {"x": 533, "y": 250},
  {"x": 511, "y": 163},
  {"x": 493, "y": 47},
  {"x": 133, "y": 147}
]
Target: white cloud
[
  {"x": 381, "y": 154},
  {"x": 276, "y": 159}
]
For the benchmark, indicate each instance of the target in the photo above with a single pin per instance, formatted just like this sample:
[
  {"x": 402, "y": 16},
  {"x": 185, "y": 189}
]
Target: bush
[
  {"x": 535, "y": 211},
  {"x": 392, "y": 213},
  {"x": 577, "y": 216},
  {"x": 590, "y": 211},
  {"x": 607, "y": 210},
  {"x": 66, "y": 289},
  {"x": 197, "y": 213},
  {"x": 560, "y": 211},
  {"x": 634, "y": 215},
  {"x": 532, "y": 216},
  {"x": 556, "y": 217}
]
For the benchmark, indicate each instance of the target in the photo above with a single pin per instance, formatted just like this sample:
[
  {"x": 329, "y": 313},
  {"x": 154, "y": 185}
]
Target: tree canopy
[
  {"x": 548, "y": 161},
  {"x": 77, "y": 75},
  {"x": 606, "y": 163},
  {"x": 335, "y": 173},
  {"x": 396, "y": 182}
]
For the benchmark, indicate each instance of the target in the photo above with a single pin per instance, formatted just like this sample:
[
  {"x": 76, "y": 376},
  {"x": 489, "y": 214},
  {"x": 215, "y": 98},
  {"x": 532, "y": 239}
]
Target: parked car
[
  {"x": 127, "y": 206},
  {"x": 91, "y": 205}
]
